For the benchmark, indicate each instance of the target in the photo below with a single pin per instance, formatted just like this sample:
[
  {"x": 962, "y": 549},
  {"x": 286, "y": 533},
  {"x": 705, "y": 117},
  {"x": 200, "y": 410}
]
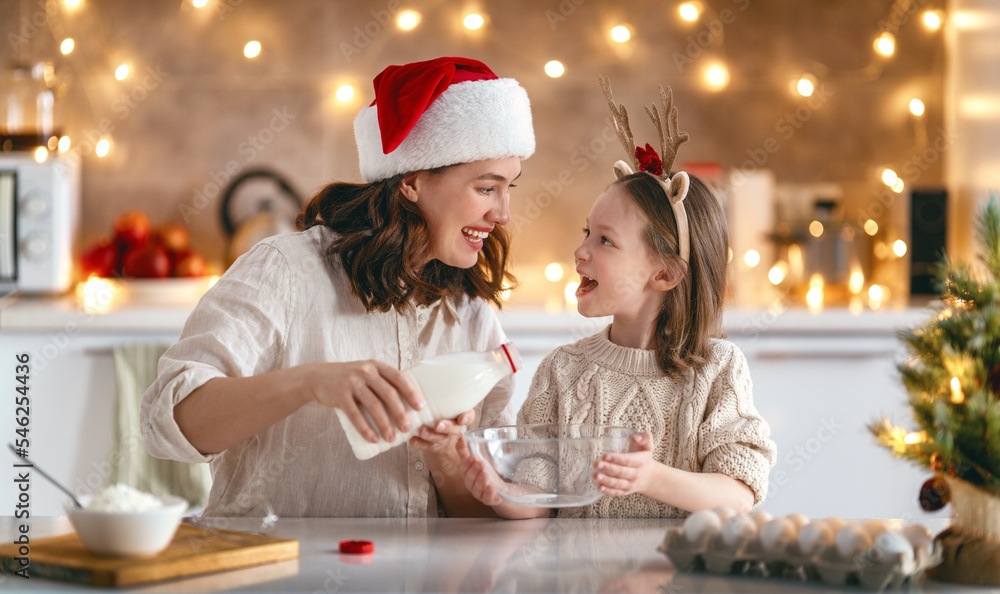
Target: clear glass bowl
[{"x": 547, "y": 465}]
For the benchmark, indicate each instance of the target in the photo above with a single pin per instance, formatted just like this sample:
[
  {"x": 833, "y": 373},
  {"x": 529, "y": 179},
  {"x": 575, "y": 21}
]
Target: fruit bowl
[
  {"x": 127, "y": 534},
  {"x": 548, "y": 465}
]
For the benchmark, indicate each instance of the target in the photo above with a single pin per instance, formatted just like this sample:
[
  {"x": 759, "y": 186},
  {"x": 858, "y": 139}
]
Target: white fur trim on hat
[{"x": 470, "y": 121}]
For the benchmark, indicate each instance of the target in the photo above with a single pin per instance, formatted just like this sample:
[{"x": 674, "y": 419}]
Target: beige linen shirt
[{"x": 284, "y": 304}]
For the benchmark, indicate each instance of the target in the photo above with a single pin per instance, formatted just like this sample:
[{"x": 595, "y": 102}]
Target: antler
[
  {"x": 670, "y": 138},
  {"x": 619, "y": 117}
]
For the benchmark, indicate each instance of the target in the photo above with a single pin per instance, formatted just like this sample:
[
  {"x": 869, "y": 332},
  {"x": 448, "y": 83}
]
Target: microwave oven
[{"x": 39, "y": 222}]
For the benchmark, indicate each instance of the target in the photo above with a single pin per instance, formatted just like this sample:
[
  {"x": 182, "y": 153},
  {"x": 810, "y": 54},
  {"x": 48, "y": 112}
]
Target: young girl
[
  {"x": 382, "y": 275},
  {"x": 654, "y": 257}
]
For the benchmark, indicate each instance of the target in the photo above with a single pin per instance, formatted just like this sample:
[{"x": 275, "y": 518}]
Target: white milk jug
[{"x": 450, "y": 384}]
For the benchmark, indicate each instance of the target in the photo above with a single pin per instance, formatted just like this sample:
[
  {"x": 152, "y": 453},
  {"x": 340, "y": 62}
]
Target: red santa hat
[{"x": 441, "y": 112}]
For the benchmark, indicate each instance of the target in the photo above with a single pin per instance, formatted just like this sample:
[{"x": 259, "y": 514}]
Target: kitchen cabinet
[{"x": 818, "y": 380}]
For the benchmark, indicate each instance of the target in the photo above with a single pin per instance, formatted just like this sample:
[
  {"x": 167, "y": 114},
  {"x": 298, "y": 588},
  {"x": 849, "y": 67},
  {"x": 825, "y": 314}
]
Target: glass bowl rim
[{"x": 477, "y": 433}]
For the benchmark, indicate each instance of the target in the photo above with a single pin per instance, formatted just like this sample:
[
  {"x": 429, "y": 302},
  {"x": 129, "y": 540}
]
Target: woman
[{"x": 382, "y": 275}]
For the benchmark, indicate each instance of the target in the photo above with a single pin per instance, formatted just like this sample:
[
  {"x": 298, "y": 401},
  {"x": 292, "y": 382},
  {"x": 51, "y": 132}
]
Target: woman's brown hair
[
  {"x": 381, "y": 241},
  {"x": 691, "y": 313}
]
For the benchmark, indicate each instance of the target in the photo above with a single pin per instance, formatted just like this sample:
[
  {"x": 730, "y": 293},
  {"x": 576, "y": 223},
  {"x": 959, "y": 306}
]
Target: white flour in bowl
[{"x": 122, "y": 499}]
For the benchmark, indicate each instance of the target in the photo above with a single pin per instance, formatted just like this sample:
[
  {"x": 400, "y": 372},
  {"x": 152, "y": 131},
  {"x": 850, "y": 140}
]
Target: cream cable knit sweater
[{"x": 702, "y": 421}]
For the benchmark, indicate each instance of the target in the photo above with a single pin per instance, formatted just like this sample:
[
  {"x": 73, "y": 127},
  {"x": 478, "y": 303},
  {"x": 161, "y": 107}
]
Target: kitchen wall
[{"x": 194, "y": 111}]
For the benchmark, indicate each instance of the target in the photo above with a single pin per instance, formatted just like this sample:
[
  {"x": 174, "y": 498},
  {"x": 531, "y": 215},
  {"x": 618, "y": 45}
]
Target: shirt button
[
  {"x": 419, "y": 465},
  {"x": 422, "y": 317},
  {"x": 408, "y": 355}
]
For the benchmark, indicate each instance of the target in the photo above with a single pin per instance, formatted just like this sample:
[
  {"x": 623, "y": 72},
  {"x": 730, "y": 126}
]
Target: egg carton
[{"x": 867, "y": 568}]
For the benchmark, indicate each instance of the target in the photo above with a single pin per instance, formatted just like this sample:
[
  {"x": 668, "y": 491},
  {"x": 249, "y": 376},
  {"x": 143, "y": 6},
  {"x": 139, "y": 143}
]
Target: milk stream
[{"x": 450, "y": 384}]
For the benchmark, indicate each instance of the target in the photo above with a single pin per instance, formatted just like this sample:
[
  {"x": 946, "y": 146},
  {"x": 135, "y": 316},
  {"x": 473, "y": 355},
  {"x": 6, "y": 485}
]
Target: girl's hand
[
  {"x": 378, "y": 387},
  {"x": 623, "y": 474},
  {"x": 480, "y": 480},
  {"x": 440, "y": 436}
]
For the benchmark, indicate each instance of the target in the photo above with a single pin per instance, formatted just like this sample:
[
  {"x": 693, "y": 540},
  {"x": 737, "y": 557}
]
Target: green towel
[{"x": 135, "y": 371}]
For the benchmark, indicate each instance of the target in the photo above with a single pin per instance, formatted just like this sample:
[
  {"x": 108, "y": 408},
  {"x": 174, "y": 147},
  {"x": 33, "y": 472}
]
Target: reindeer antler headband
[{"x": 676, "y": 187}]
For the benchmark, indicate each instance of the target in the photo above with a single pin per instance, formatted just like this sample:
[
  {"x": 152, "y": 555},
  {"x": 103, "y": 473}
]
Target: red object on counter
[{"x": 357, "y": 547}]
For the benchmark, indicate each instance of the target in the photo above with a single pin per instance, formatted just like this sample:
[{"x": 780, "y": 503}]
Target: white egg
[
  {"x": 798, "y": 519},
  {"x": 919, "y": 536},
  {"x": 874, "y": 527},
  {"x": 760, "y": 516},
  {"x": 701, "y": 524},
  {"x": 817, "y": 533},
  {"x": 777, "y": 531},
  {"x": 851, "y": 539},
  {"x": 724, "y": 513},
  {"x": 835, "y": 523},
  {"x": 889, "y": 545},
  {"x": 738, "y": 528}
]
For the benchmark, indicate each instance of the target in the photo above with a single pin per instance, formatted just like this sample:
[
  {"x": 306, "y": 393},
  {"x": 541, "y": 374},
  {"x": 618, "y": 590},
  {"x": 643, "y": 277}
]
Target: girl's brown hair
[
  {"x": 382, "y": 239},
  {"x": 691, "y": 313}
]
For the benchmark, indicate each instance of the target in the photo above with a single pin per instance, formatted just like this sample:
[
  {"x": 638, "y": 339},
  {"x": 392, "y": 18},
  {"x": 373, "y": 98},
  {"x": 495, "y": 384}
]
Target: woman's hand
[
  {"x": 439, "y": 438},
  {"x": 378, "y": 387},
  {"x": 623, "y": 474}
]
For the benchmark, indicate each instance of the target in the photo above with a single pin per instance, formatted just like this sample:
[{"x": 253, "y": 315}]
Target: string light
[
  {"x": 716, "y": 76},
  {"x": 856, "y": 282},
  {"x": 199, "y": 3},
  {"x": 752, "y": 258},
  {"x": 889, "y": 177},
  {"x": 885, "y": 44},
  {"x": 251, "y": 49},
  {"x": 916, "y": 107},
  {"x": 67, "y": 45},
  {"x": 689, "y": 11},
  {"x": 554, "y": 272},
  {"x": 103, "y": 147},
  {"x": 555, "y": 68},
  {"x": 121, "y": 73},
  {"x": 871, "y": 227},
  {"x": 777, "y": 273},
  {"x": 408, "y": 20},
  {"x": 570, "y": 292},
  {"x": 899, "y": 248},
  {"x": 816, "y": 229},
  {"x": 473, "y": 21},
  {"x": 875, "y": 293},
  {"x": 64, "y": 144},
  {"x": 71, "y": 4},
  {"x": 898, "y": 186},
  {"x": 345, "y": 93},
  {"x": 915, "y": 437},
  {"x": 41, "y": 153},
  {"x": 932, "y": 20},
  {"x": 621, "y": 34},
  {"x": 805, "y": 86},
  {"x": 814, "y": 296},
  {"x": 957, "y": 396}
]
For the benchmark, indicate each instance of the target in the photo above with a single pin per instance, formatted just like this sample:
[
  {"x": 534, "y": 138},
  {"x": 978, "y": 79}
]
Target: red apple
[
  {"x": 147, "y": 261},
  {"x": 190, "y": 264},
  {"x": 132, "y": 227},
  {"x": 174, "y": 237},
  {"x": 100, "y": 259}
]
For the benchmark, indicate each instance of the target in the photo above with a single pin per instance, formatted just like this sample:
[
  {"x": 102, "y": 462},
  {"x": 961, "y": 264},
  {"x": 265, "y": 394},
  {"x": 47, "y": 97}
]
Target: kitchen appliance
[
  {"x": 39, "y": 222},
  {"x": 249, "y": 212}
]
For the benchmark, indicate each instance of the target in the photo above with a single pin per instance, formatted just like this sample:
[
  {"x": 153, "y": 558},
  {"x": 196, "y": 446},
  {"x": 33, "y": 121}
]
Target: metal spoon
[{"x": 44, "y": 474}]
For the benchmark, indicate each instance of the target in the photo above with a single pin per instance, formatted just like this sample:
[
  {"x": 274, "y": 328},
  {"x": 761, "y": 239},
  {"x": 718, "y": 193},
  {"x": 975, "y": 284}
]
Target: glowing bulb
[
  {"x": 473, "y": 22},
  {"x": 621, "y": 34},
  {"x": 856, "y": 282},
  {"x": 555, "y": 68},
  {"x": 752, "y": 258},
  {"x": 716, "y": 76},
  {"x": 805, "y": 87},
  {"x": 71, "y": 4},
  {"x": 898, "y": 186},
  {"x": 554, "y": 272},
  {"x": 889, "y": 177},
  {"x": 916, "y": 107},
  {"x": 915, "y": 437},
  {"x": 64, "y": 144},
  {"x": 251, "y": 49},
  {"x": 67, "y": 45},
  {"x": 814, "y": 296},
  {"x": 121, "y": 73},
  {"x": 871, "y": 227},
  {"x": 345, "y": 93},
  {"x": 816, "y": 229},
  {"x": 199, "y": 3},
  {"x": 97, "y": 295},
  {"x": 776, "y": 274},
  {"x": 570, "y": 291},
  {"x": 102, "y": 148},
  {"x": 41, "y": 153},
  {"x": 957, "y": 396},
  {"x": 932, "y": 20},
  {"x": 689, "y": 12},
  {"x": 408, "y": 20},
  {"x": 899, "y": 248},
  {"x": 885, "y": 44},
  {"x": 875, "y": 293}
]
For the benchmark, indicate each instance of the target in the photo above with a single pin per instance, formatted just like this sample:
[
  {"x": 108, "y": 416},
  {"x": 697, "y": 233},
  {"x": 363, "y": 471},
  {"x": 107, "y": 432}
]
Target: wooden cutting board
[{"x": 193, "y": 551}]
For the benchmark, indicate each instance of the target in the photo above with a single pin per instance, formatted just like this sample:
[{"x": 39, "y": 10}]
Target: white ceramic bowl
[
  {"x": 548, "y": 465},
  {"x": 127, "y": 534}
]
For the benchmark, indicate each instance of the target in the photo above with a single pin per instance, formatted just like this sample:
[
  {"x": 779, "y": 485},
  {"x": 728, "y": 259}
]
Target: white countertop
[{"x": 462, "y": 555}]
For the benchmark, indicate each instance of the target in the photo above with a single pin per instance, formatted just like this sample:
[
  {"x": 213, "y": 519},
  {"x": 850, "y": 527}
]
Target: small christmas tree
[{"x": 952, "y": 376}]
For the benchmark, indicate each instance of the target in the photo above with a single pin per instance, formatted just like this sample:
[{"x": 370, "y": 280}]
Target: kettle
[{"x": 269, "y": 218}]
